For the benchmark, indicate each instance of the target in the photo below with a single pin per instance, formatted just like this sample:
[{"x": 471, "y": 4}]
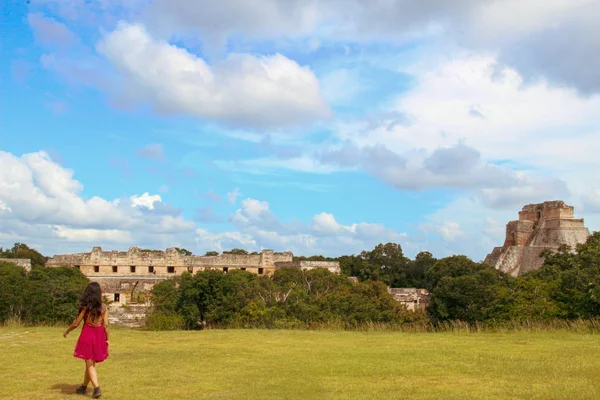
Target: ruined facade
[
  {"x": 540, "y": 226},
  {"x": 127, "y": 277},
  {"x": 412, "y": 298},
  {"x": 24, "y": 263}
]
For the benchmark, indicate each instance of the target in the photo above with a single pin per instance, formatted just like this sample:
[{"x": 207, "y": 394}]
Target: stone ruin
[
  {"x": 126, "y": 278},
  {"x": 24, "y": 263},
  {"x": 412, "y": 298},
  {"x": 540, "y": 226}
]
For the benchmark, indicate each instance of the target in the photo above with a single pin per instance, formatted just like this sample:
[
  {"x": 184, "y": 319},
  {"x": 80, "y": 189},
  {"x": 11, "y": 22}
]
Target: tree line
[
  {"x": 42, "y": 296},
  {"x": 566, "y": 287}
]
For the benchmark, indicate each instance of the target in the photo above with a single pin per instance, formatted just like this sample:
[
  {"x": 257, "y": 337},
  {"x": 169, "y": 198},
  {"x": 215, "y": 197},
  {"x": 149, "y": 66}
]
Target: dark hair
[{"x": 91, "y": 299}]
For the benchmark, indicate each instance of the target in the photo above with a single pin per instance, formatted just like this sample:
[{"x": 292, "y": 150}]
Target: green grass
[{"x": 37, "y": 363}]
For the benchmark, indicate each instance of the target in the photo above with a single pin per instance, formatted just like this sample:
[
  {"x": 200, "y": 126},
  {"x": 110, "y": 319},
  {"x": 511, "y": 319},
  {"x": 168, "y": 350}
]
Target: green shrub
[{"x": 157, "y": 321}]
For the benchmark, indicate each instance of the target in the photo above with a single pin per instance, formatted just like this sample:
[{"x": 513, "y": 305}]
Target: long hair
[{"x": 91, "y": 299}]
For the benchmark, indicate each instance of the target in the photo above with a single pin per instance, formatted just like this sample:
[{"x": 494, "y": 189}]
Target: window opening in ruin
[
  {"x": 115, "y": 268},
  {"x": 170, "y": 270},
  {"x": 117, "y": 297},
  {"x": 132, "y": 268},
  {"x": 225, "y": 269},
  {"x": 261, "y": 271},
  {"x": 96, "y": 268},
  {"x": 243, "y": 268},
  {"x": 539, "y": 214},
  {"x": 151, "y": 269},
  {"x": 191, "y": 270}
]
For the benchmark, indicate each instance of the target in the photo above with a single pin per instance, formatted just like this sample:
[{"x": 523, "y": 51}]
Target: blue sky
[{"x": 320, "y": 128}]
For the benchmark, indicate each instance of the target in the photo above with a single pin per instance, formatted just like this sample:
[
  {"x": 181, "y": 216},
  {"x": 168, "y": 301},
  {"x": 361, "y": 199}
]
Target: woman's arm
[
  {"x": 75, "y": 323},
  {"x": 105, "y": 322}
]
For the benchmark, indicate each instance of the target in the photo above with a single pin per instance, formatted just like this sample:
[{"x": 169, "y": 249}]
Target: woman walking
[{"x": 92, "y": 345}]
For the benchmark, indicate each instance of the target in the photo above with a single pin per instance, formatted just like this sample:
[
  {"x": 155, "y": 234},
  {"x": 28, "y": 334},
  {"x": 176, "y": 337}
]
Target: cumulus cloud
[
  {"x": 323, "y": 235},
  {"x": 448, "y": 230},
  {"x": 533, "y": 141},
  {"x": 145, "y": 200},
  {"x": 42, "y": 202},
  {"x": 526, "y": 35},
  {"x": 458, "y": 166},
  {"x": 530, "y": 191},
  {"x": 259, "y": 92}
]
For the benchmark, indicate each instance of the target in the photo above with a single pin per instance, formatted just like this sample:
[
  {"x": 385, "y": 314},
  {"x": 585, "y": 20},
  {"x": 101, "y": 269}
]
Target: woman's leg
[
  {"x": 86, "y": 379},
  {"x": 91, "y": 369}
]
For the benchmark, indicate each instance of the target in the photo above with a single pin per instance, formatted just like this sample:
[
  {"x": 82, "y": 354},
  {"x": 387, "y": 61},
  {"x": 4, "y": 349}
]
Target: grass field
[{"x": 37, "y": 363}]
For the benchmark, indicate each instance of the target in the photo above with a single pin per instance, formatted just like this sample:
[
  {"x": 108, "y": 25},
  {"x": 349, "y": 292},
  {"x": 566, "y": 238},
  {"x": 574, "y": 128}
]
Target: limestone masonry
[
  {"x": 21, "y": 262},
  {"x": 540, "y": 226},
  {"x": 123, "y": 276},
  {"x": 412, "y": 298}
]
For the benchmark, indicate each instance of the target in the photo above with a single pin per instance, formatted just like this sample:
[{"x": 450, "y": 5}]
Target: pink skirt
[{"x": 91, "y": 344}]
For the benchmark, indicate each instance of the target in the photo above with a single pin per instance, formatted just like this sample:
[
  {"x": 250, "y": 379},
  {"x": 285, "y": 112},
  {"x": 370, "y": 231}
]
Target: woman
[{"x": 92, "y": 345}]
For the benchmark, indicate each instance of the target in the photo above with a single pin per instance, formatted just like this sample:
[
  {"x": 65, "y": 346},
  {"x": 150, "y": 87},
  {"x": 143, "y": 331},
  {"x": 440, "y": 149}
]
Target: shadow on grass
[{"x": 65, "y": 388}]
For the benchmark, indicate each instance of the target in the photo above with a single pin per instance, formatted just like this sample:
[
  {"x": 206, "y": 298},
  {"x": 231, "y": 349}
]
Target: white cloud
[
  {"x": 145, "y": 200},
  {"x": 591, "y": 201},
  {"x": 526, "y": 34},
  {"x": 269, "y": 91},
  {"x": 325, "y": 224},
  {"x": 42, "y": 202},
  {"x": 450, "y": 230},
  {"x": 323, "y": 235},
  {"x": 93, "y": 235},
  {"x": 232, "y": 196},
  {"x": 274, "y": 166},
  {"x": 533, "y": 141}
]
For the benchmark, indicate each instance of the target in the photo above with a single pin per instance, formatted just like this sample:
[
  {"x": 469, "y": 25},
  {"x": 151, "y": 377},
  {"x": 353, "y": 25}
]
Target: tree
[
  {"x": 390, "y": 259},
  {"x": 183, "y": 252},
  {"x": 211, "y": 253},
  {"x": 12, "y": 290},
  {"x": 237, "y": 251},
  {"x": 21, "y": 250},
  {"x": 574, "y": 278},
  {"x": 359, "y": 267},
  {"x": 417, "y": 268}
]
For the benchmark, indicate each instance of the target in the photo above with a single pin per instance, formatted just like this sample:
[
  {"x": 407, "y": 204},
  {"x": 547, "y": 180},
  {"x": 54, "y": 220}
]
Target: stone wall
[
  {"x": 412, "y": 298},
  {"x": 130, "y": 316},
  {"x": 126, "y": 278},
  {"x": 136, "y": 262},
  {"x": 21, "y": 262},
  {"x": 540, "y": 226},
  {"x": 331, "y": 266}
]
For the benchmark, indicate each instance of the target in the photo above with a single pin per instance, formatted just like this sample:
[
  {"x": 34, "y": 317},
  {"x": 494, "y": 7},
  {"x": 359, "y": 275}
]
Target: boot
[
  {"x": 97, "y": 393},
  {"x": 81, "y": 389}
]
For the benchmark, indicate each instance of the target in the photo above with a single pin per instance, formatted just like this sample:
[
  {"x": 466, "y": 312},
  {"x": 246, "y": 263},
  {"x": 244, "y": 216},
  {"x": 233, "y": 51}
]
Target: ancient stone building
[
  {"x": 128, "y": 276},
  {"x": 24, "y": 263},
  {"x": 412, "y": 298},
  {"x": 540, "y": 226}
]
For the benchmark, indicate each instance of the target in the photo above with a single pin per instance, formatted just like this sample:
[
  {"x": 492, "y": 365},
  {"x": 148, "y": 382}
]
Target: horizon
[{"x": 305, "y": 127}]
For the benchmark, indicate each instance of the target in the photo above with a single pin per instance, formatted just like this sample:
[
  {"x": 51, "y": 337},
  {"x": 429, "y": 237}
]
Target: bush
[
  {"x": 45, "y": 295},
  {"x": 162, "y": 322}
]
